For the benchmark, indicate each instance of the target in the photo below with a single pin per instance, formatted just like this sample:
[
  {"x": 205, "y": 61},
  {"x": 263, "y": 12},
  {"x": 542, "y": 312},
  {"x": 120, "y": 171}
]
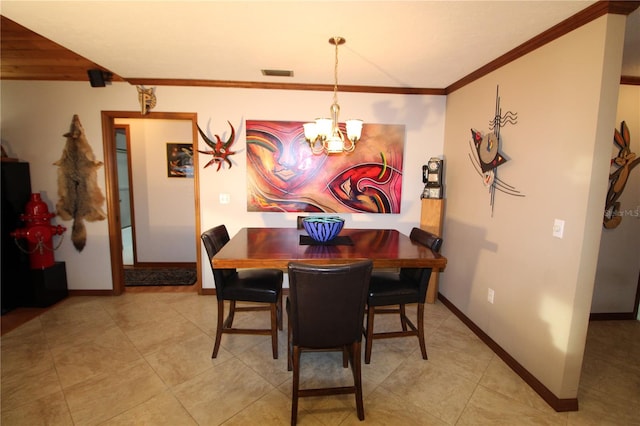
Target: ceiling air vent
[{"x": 277, "y": 73}]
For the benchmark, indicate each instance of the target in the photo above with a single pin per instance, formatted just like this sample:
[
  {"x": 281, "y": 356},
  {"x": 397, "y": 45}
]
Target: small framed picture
[{"x": 179, "y": 160}]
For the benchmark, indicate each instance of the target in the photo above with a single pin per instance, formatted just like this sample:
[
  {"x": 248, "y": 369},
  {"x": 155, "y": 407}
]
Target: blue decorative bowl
[{"x": 323, "y": 229}]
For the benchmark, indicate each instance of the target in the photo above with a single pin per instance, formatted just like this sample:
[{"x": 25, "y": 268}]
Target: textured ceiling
[{"x": 414, "y": 44}]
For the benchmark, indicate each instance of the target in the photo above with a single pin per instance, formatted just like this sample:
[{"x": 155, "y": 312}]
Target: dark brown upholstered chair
[
  {"x": 409, "y": 285},
  {"x": 247, "y": 285},
  {"x": 326, "y": 311}
]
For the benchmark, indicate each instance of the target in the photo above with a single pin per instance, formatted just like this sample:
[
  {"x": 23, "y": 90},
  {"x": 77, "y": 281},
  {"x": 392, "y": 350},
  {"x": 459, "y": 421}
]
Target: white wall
[
  {"x": 164, "y": 207},
  {"x": 565, "y": 95},
  {"x": 35, "y": 115},
  {"x": 619, "y": 259}
]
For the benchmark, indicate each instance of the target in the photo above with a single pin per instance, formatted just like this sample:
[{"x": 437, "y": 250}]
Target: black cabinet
[
  {"x": 15, "y": 193},
  {"x": 45, "y": 287}
]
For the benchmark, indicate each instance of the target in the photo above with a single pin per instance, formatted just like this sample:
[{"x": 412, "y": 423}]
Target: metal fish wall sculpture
[{"x": 80, "y": 197}]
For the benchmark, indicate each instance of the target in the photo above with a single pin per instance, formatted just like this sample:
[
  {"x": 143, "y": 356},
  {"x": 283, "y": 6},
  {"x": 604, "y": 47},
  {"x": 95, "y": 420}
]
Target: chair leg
[
  {"x": 228, "y": 323},
  {"x": 274, "y": 330},
  {"x": 289, "y": 350},
  {"x": 296, "y": 385},
  {"x": 280, "y": 315},
  {"x": 369, "y": 337},
  {"x": 423, "y": 346},
  {"x": 357, "y": 377},
  {"x": 216, "y": 346},
  {"x": 403, "y": 317},
  {"x": 345, "y": 357}
]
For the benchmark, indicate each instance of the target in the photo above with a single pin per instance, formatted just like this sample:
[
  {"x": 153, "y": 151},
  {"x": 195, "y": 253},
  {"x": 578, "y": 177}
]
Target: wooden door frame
[{"x": 113, "y": 196}]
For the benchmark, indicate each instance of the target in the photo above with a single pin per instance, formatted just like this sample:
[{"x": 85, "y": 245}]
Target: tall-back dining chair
[
  {"x": 247, "y": 285},
  {"x": 326, "y": 311},
  {"x": 408, "y": 285},
  {"x": 299, "y": 221}
]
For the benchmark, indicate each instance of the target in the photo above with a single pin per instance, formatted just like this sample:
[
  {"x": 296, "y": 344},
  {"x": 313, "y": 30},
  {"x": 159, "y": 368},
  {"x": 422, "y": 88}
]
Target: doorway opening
[
  {"x": 125, "y": 194},
  {"x": 119, "y": 193}
]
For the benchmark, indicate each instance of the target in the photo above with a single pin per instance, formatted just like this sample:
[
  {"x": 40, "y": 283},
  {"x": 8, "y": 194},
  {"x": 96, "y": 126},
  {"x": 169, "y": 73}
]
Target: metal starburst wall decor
[
  {"x": 219, "y": 150},
  {"x": 486, "y": 154}
]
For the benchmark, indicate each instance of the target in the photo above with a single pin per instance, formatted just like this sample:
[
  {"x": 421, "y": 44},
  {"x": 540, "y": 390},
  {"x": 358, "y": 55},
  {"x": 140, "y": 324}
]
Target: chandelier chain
[{"x": 335, "y": 75}]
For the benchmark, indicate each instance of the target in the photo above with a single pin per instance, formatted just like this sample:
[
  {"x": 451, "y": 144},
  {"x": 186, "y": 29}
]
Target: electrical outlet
[
  {"x": 490, "y": 295},
  {"x": 225, "y": 198}
]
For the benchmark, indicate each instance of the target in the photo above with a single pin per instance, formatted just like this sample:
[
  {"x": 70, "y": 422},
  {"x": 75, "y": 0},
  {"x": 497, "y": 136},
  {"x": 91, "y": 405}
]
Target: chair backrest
[
  {"x": 327, "y": 303},
  {"x": 299, "y": 224},
  {"x": 422, "y": 275},
  {"x": 214, "y": 239}
]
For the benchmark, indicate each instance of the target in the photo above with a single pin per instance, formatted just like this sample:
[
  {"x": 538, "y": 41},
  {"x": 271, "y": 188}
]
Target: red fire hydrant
[{"x": 38, "y": 232}]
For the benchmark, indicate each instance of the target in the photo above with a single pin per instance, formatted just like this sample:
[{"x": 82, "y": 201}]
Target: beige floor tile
[
  {"x": 141, "y": 312},
  {"x": 260, "y": 359},
  {"x": 202, "y": 311},
  {"x": 238, "y": 343},
  {"x": 72, "y": 310},
  {"x": 455, "y": 336},
  {"x": 386, "y": 356},
  {"x": 104, "y": 396},
  {"x": 598, "y": 408},
  {"x": 161, "y": 410},
  {"x": 180, "y": 362},
  {"x": 273, "y": 409},
  {"x": 23, "y": 332},
  {"x": 145, "y": 358},
  {"x": 470, "y": 365},
  {"x": 162, "y": 333},
  {"x": 490, "y": 408},
  {"x": 327, "y": 410},
  {"x": 220, "y": 393},
  {"x": 428, "y": 385},
  {"x": 503, "y": 380},
  {"x": 383, "y": 408},
  {"x": 26, "y": 352},
  {"x": 50, "y": 410},
  {"x": 29, "y": 385},
  {"x": 612, "y": 377},
  {"x": 105, "y": 352}
]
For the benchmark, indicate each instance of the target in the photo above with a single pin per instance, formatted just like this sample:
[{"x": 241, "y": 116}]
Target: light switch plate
[{"x": 558, "y": 228}]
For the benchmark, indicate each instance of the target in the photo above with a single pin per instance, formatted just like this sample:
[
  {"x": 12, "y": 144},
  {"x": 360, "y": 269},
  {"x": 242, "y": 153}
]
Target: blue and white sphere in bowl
[{"x": 323, "y": 229}]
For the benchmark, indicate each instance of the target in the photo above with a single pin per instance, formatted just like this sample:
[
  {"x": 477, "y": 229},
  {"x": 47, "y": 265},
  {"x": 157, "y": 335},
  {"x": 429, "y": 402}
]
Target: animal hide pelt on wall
[{"x": 80, "y": 196}]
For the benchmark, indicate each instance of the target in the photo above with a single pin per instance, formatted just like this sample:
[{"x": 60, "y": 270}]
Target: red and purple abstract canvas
[{"x": 284, "y": 176}]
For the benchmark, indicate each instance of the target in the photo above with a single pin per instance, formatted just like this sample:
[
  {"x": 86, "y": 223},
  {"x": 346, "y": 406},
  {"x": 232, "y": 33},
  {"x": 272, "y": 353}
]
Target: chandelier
[{"x": 325, "y": 135}]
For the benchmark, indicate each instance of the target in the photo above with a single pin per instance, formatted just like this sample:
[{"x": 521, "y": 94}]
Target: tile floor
[{"x": 144, "y": 359}]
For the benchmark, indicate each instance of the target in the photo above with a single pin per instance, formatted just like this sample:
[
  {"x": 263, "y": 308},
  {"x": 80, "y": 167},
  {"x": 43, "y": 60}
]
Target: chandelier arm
[
  {"x": 350, "y": 145},
  {"x": 317, "y": 147}
]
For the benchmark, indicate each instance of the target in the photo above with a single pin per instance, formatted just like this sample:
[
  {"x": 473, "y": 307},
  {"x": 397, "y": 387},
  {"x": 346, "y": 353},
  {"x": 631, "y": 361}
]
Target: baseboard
[
  {"x": 91, "y": 293},
  {"x": 212, "y": 291},
  {"x": 162, "y": 265},
  {"x": 558, "y": 404},
  {"x": 617, "y": 316}
]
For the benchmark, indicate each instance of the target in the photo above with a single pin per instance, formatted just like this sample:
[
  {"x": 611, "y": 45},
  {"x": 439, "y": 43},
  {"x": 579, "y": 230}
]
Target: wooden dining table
[{"x": 276, "y": 247}]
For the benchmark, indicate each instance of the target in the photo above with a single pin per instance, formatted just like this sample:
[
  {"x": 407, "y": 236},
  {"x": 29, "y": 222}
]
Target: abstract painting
[{"x": 284, "y": 176}]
